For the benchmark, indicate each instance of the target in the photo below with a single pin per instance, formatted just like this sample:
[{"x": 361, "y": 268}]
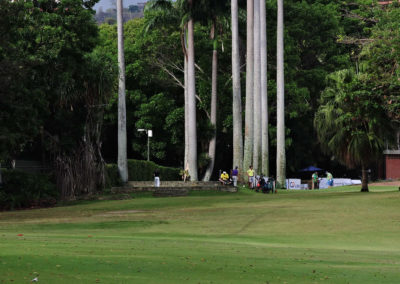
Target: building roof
[{"x": 386, "y": 2}]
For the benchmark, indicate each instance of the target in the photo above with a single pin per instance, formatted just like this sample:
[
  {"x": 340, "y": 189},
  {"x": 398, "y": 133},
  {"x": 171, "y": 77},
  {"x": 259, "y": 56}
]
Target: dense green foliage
[
  {"x": 154, "y": 98},
  {"x": 54, "y": 89},
  {"x": 380, "y": 59},
  {"x": 360, "y": 106},
  {"x": 155, "y": 74},
  {"x": 352, "y": 122},
  {"x": 23, "y": 190},
  {"x": 144, "y": 170},
  {"x": 112, "y": 176},
  {"x": 58, "y": 76},
  {"x": 42, "y": 49},
  {"x": 140, "y": 170}
]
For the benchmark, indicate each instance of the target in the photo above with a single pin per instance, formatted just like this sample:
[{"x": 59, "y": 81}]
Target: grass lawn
[{"x": 328, "y": 236}]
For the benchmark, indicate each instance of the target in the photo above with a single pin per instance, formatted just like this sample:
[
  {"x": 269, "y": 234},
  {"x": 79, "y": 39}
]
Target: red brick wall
[{"x": 392, "y": 164}]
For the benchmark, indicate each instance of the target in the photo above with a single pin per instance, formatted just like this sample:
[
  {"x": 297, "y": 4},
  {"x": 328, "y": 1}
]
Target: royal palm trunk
[
  {"x": 122, "y": 140},
  {"x": 236, "y": 93},
  {"x": 280, "y": 147},
  {"x": 249, "y": 129},
  {"x": 264, "y": 93},
  {"x": 257, "y": 91},
  {"x": 192, "y": 133}
]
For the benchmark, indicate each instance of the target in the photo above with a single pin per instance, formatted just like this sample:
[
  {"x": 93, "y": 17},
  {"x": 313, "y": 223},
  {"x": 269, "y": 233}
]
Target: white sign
[
  {"x": 293, "y": 183},
  {"x": 342, "y": 181},
  {"x": 304, "y": 186},
  {"x": 323, "y": 182}
]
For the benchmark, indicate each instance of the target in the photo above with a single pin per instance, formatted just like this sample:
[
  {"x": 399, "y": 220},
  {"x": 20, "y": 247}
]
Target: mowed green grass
[{"x": 329, "y": 236}]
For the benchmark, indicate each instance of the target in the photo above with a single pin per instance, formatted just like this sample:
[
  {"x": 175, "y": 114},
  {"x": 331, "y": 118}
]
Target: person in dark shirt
[{"x": 234, "y": 175}]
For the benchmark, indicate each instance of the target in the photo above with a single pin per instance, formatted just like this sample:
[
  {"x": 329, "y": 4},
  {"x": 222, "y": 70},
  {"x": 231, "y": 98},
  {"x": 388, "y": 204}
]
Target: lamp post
[{"x": 149, "y": 133}]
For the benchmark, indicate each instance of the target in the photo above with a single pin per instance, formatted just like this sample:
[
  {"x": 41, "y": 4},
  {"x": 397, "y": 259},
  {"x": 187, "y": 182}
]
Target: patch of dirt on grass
[
  {"x": 386, "y": 183},
  {"x": 122, "y": 212}
]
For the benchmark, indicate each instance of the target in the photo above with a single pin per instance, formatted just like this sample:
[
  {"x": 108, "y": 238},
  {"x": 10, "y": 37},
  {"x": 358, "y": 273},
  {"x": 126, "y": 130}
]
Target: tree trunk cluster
[{"x": 255, "y": 150}]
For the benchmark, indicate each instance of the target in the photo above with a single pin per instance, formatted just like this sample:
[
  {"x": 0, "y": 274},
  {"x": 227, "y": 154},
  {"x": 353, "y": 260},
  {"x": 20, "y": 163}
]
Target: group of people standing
[
  {"x": 315, "y": 180},
  {"x": 252, "y": 179}
]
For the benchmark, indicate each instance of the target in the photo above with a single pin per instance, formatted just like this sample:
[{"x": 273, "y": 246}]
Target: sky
[{"x": 111, "y": 3}]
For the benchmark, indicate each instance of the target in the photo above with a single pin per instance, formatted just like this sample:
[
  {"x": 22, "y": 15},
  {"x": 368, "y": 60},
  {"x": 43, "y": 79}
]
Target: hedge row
[
  {"x": 24, "y": 190},
  {"x": 140, "y": 170}
]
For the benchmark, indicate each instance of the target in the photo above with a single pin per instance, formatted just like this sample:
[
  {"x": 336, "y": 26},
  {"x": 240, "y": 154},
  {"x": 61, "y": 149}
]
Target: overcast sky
[{"x": 111, "y": 3}]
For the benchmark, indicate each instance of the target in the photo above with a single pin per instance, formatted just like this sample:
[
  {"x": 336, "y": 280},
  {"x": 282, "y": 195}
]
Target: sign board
[
  {"x": 304, "y": 186},
  {"x": 323, "y": 182},
  {"x": 293, "y": 183},
  {"x": 342, "y": 181}
]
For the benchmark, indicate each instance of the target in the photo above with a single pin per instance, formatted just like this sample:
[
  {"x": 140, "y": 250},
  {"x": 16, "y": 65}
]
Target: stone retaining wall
[
  {"x": 170, "y": 192},
  {"x": 173, "y": 183},
  {"x": 173, "y": 189}
]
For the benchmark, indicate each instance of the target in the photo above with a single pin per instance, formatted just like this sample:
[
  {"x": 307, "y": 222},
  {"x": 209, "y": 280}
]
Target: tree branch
[
  {"x": 350, "y": 40},
  {"x": 352, "y": 15},
  {"x": 170, "y": 73}
]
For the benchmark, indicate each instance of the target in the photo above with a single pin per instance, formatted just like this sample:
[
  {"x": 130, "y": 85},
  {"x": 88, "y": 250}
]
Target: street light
[{"x": 149, "y": 133}]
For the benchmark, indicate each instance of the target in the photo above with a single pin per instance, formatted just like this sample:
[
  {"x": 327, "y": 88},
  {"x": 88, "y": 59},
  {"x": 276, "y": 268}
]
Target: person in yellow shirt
[
  {"x": 250, "y": 174},
  {"x": 224, "y": 179}
]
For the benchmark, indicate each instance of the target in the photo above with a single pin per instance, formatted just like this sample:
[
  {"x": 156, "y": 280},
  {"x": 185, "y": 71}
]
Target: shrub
[
  {"x": 144, "y": 170},
  {"x": 140, "y": 170},
  {"x": 112, "y": 176},
  {"x": 24, "y": 190}
]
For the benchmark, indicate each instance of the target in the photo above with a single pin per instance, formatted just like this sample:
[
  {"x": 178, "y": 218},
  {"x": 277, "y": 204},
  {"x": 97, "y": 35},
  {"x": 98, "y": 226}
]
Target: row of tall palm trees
[
  {"x": 254, "y": 151},
  {"x": 256, "y": 146}
]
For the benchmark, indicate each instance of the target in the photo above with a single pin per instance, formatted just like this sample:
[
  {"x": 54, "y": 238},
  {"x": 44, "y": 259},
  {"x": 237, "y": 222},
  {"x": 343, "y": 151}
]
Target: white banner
[
  {"x": 304, "y": 186},
  {"x": 342, "y": 181},
  {"x": 293, "y": 183},
  {"x": 323, "y": 182}
]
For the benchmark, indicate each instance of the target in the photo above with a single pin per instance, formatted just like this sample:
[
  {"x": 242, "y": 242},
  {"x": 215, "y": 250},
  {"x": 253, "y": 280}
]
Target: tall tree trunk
[
  {"x": 192, "y": 153},
  {"x": 249, "y": 127},
  {"x": 185, "y": 162},
  {"x": 364, "y": 180},
  {"x": 264, "y": 92},
  {"x": 122, "y": 148},
  {"x": 236, "y": 93},
  {"x": 213, "y": 116},
  {"x": 257, "y": 91},
  {"x": 280, "y": 147}
]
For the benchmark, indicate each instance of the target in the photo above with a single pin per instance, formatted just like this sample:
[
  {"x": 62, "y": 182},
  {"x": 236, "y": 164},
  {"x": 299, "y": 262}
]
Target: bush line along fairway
[{"x": 330, "y": 236}]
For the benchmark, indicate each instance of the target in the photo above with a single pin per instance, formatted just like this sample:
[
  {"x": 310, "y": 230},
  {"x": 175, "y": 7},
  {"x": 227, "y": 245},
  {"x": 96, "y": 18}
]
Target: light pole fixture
[{"x": 149, "y": 133}]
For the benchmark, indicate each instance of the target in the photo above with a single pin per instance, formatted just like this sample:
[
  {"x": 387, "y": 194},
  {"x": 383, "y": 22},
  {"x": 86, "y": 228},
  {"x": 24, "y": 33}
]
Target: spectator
[
  {"x": 250, "y": 174},
  {"x": 329, "y": 177},
  {"x": 156, "y": 178},
  {"x": 234, "y": 174},
  {"x": 314, "y": 180},
  {"x": 224, "y": 179}
]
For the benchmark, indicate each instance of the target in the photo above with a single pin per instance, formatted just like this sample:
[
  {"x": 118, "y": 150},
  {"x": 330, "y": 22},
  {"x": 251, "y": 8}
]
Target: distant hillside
[{"x": 110, "y": 15}]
